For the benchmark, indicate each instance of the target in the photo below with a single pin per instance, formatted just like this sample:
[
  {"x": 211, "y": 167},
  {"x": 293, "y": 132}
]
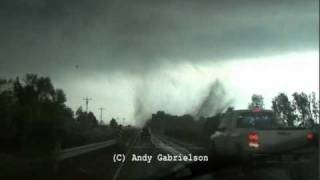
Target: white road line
[
  {"x": 116, "y": 174},
  {"x": 171, "y": 148}
]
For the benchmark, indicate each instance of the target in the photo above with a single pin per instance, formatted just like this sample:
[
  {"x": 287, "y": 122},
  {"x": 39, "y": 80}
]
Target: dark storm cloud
[{"x": 54, "y": 36}]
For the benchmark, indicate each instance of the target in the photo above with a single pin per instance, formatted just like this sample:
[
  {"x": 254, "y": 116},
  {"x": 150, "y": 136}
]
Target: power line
[
  {"x": 86, "y": 99},
  {"x": 101, "y": 109}
]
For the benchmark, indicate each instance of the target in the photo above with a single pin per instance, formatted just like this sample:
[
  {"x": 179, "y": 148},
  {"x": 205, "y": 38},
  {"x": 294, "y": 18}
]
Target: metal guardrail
[{"x": 75, "y": 151}]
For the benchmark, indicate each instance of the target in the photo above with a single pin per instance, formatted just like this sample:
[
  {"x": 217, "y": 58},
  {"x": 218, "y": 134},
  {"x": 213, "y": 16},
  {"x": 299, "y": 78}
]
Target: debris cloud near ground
[
  {"x": 148, "y": 99},
  {"x": 213, "y": 102}
]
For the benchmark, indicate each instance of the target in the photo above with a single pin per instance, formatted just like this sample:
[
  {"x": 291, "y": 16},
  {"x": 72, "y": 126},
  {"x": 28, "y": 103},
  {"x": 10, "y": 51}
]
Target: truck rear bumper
[{"x": 305, "y": 155}]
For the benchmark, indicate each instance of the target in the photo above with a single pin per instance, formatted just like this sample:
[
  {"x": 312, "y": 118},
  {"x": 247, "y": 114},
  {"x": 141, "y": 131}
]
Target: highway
[{"x": 100, "y": 163}]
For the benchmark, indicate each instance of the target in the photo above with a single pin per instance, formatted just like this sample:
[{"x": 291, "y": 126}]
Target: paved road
[
  {"x": 99, "y": 165},
  {"x": 140, "y": 170}
]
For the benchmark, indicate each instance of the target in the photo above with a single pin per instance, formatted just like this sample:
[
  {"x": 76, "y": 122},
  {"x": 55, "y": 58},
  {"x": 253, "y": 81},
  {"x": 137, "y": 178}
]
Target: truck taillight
[
  {"x": 310, "y": 136},
  {"x": 256, "y": 109},
  {"x": 253, "y": 139}
]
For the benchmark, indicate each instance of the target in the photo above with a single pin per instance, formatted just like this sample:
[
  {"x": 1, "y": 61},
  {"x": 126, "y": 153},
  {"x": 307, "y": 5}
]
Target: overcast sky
[{"x": 167, "y": 51}]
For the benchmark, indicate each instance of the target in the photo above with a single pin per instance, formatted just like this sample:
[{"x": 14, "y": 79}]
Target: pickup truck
[{"x": 248, "y": 134}]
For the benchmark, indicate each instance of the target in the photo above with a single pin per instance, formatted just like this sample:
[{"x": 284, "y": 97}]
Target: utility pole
[
  {"x": 101, "y": 109},
  {"x": 87, "y": 102}
]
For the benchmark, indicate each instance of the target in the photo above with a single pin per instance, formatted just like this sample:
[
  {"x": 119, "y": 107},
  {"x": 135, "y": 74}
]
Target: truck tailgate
[{"x": 282, "y": 140}]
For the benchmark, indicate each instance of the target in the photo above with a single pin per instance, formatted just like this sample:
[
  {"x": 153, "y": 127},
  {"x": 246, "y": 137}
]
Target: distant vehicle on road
[
  {"x": 145, "y": 133},
  {"x": 247, "y": 134}
]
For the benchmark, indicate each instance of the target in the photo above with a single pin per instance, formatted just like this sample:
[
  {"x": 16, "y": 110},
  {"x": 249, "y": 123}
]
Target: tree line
[
  {"x": 301, "y": 111},
  {"x": 34, "y": 116}
]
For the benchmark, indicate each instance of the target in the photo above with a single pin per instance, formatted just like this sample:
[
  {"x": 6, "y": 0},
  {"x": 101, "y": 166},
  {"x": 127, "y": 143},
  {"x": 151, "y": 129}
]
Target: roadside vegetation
[
  {"x": 35, "y": 118},
  {"x": 35, "y": 121}
]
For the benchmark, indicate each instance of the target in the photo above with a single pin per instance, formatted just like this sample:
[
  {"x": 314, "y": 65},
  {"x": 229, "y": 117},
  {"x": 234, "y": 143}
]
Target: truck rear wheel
[{"x": 242, "y": 155}]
